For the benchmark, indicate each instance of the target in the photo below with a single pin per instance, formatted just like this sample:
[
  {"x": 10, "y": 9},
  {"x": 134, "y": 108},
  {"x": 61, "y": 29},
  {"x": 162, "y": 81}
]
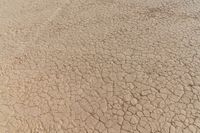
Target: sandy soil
[{"x": 99, "y": 66}]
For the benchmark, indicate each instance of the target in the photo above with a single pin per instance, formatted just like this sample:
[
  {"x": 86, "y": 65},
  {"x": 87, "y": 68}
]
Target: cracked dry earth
[{"x": 99, "y": 66}]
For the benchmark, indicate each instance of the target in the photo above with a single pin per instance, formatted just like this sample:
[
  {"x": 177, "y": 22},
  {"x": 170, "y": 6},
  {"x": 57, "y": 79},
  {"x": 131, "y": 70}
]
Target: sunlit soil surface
[{"x": 99, "y": 66}]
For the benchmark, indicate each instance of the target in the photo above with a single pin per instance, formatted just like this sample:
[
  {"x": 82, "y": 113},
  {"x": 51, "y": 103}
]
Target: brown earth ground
[{"x": 99, "y": 66}]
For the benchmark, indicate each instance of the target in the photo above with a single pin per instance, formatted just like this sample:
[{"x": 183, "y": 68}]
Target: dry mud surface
[{"x": 99, "y": 66}]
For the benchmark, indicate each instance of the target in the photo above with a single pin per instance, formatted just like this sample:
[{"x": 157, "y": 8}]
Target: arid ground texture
[{"x": 99, "y": 66}]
